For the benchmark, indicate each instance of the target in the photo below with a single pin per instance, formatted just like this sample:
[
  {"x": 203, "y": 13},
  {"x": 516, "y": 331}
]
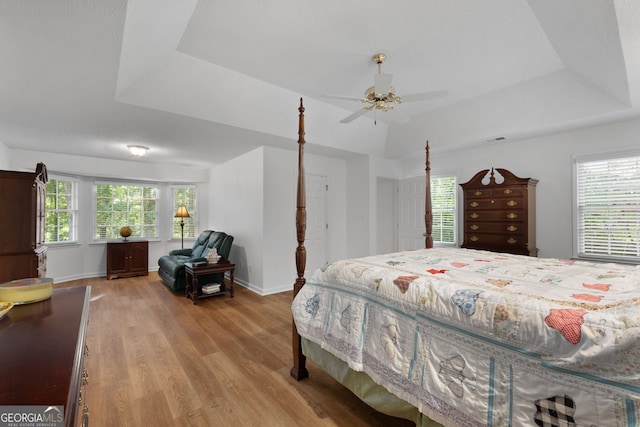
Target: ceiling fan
[{"x": 381, "y": 96}]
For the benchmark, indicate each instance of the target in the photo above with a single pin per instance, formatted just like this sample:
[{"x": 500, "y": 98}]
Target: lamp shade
[{"x": 182, "y": 212}]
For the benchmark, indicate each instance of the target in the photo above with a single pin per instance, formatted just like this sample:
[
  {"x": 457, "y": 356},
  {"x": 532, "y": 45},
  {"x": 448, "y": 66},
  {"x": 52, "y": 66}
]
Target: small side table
[{"x": 192, "y": 272}]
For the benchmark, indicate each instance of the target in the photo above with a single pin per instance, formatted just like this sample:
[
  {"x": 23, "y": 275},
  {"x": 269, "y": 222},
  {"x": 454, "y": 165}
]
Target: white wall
[
  {"x": 548, "y": 159},
  {"x": 280, "y": 183},
  {"x": 236, "y": 194},
  {"x": 261, "y": 189},
  {"x": 386, "y": 215},
  {"x": 86, "y": 258},
  {"x": 253, "y": 198},
  {"x": 4, "y": 156},
  {"x": 359, "y": 207}
]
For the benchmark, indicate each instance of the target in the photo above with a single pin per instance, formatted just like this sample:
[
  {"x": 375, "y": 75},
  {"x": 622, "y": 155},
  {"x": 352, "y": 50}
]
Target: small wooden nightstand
[
  {"x": 127, "y": 259},
  {"x": 192, "y": 272}
]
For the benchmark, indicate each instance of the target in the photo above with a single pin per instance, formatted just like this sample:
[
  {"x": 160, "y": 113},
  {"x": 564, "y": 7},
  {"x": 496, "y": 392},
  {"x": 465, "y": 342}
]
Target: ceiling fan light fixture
[
  {"x": 379, "y": 58},
  {"x": 381, "y": 95}
]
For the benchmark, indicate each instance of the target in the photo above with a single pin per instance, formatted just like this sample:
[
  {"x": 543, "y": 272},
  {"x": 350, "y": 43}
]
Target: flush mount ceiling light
[{"x": 137, "y": 150}]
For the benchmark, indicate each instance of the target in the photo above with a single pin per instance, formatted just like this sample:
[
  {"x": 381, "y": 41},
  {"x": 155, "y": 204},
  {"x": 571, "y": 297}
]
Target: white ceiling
[{"x": 200, "y": 82}]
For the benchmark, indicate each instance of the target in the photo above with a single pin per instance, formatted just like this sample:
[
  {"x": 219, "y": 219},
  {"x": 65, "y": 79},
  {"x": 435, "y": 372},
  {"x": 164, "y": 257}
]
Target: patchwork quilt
[{"x": 475, "y": 338}]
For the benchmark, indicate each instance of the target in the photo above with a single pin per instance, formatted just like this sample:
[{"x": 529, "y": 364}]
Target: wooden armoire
[
  {"x": 22, "y": 220},
  {"x": 500, "y": 216}
]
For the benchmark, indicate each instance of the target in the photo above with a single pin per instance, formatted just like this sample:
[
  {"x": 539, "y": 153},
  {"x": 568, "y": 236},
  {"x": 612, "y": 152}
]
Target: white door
[
  {"x": 317, "y": 225},
  {"x": 411, "y": 201}
]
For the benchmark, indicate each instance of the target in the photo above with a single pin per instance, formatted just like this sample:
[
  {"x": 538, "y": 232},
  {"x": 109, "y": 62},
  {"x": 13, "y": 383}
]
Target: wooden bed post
[
  {"x": 428, "y": 216},
  {"x": 299, "y": 370}
]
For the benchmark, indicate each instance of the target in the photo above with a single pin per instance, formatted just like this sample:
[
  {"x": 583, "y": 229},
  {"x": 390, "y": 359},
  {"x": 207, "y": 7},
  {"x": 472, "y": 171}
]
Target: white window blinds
[
  {"x": 61, "y": 214},
  {"x": 443, "y": 208},
  {"x": 608, "y": 214},
  {"x": 185, "y": 195},
  {"x": 120, "y": 204}
]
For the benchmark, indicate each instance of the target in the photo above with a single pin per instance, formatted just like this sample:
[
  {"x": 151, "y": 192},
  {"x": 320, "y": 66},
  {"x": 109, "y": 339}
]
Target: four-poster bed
[{"x": 464, "y": 337}]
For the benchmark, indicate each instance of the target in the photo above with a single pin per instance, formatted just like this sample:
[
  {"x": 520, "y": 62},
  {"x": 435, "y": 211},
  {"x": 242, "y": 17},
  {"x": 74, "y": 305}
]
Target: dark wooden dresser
[
  {"x": 500, "y": 216},
  {"x": 42, "y": 353},
  {"x": 22, "y": 209}
]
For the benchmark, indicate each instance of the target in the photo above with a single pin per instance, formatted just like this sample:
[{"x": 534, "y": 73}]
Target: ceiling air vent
[{"x": 499, "y": 138}]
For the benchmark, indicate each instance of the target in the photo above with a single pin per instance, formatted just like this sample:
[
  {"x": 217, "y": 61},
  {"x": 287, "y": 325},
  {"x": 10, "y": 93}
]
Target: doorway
[{"x": 411, "y": 206}]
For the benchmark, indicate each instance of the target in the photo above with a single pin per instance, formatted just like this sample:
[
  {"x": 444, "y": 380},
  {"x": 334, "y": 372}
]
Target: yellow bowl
[
  {"x": 5, "y": 307},
  {"x": 25, "y": 291}
]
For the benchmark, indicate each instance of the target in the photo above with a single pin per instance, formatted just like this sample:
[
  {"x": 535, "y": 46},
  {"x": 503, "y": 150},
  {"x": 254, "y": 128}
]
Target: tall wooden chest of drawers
[
  {"x": 23, "y": 252},
  {"x": 500, "y": 216}
]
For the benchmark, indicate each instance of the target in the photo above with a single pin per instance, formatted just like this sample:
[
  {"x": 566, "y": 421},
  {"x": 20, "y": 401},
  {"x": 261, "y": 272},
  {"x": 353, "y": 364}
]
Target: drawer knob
[
  {"x": 511, "y": 240},
  {"x": 508, "y": 191},
  {"x": 474, "y": 226},
  {"x": 474, "y": 215},
  {"x": 512, "y": 215},
  {"x": 478, "y": 193},
  {"x": 474, "y": 238},
  {"x": 475, "y": 204},
  {"x": 512, "y": 228},
  {"x": 512, "y": 203}
]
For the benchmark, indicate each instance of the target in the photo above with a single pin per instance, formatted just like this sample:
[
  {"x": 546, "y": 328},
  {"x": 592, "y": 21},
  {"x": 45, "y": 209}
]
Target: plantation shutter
[{"x": 608, "y": 198}]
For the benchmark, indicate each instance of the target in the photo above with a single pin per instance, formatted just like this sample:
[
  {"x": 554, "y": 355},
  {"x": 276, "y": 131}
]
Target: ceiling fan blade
[
  {"x": 348, "y": 98},
  {"x": 354, "y": 116},
  {"x": 382, "y": 83},
  {"x": 397, "y": 116},
  {"x": 424, "y": 96}
]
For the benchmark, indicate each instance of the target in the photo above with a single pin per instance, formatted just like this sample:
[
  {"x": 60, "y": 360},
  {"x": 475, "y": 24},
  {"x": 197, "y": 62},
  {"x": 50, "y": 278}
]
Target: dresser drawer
[
  {"x": 498, "y": 242},
  {"x": 495, "y": 192},
  {"x": 495, "y": 216},
  {"x": 511, "y": 228},
  {"x": 494, "y": 203},
  {"x": 509, "y": 192}
]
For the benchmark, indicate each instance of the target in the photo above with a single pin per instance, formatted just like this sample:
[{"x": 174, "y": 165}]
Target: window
[
  {"x": 608, "y": 208},
  {"x": 61, "y": 211},
  {"x": 185, "y": 195},
  {"x": 443, "y": 207},
  {"x": 117, "y": 205}
]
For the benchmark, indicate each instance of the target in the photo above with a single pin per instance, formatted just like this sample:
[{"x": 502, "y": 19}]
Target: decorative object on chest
[{"x": 499, "y": 212}]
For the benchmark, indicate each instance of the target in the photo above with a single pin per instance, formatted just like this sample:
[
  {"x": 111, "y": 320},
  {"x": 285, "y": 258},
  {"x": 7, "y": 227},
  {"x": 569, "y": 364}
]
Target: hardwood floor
[{"x": 156, "y": 359}]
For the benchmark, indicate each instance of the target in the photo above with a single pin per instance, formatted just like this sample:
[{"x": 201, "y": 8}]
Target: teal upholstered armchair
[{"x": 171, "y": 267}]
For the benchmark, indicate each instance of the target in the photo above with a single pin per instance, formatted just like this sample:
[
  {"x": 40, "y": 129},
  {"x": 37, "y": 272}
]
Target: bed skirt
[{"x": 364, "y": 387}]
